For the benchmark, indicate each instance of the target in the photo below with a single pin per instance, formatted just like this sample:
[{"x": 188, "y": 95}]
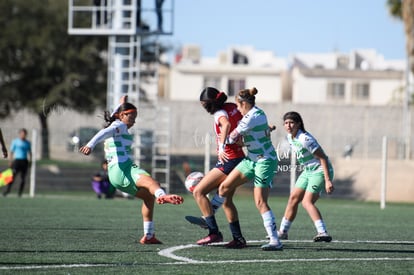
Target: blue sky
[{"x": 288, "y": 26}]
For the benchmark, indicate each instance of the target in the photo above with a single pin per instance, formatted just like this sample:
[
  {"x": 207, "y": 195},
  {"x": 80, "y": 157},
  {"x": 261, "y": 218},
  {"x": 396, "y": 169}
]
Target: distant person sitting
[{"x": 101, "y": 184}]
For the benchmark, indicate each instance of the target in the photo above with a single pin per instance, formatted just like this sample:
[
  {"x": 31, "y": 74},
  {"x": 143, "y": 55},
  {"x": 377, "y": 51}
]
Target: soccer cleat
[
  {"x": 197, "y": 221},
  {"x": 272, "y": 247},
  {"x": 282, "y": 235},
  {"x": 152, "y": 240},
  {"x": 211, "y": 238},
  {"x": 170, "y": 198},
  {"x": 322, "y": 237},
  {"x": 236, "y": 243}
]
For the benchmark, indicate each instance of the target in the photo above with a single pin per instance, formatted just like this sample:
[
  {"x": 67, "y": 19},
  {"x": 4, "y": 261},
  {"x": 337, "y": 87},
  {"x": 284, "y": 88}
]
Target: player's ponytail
[
  {"x": 247, "y": 95},
  {"x": 212, "y": 99},
  {"x": 111, "y": 117}
]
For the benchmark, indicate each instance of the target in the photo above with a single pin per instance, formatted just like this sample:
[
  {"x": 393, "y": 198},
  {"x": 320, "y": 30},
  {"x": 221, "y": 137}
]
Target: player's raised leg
[{"x": 147, "y": 182}]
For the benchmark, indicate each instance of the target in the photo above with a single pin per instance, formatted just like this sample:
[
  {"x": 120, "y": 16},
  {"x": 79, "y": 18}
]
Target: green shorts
[
  {"x": 124, "y": 176},
  {"x": 313, "y": 181},
  {"x": 262, "y": 172}
]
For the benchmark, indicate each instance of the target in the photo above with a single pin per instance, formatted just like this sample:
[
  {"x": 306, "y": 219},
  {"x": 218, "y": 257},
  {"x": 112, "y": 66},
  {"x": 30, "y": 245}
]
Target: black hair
[
  {"x": 123, "y": 107},
  {"x": 247, "y": 95},
  {"x": 213, "y": 100},
  {"x": 295, "y": 116}
]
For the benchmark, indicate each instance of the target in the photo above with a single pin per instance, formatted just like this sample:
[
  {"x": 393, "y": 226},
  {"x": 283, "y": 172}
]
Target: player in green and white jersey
[
  {"x": 317, "y": 175},
  {"x": 260, "y": 164},
  {"x": 123, "y": 173}
]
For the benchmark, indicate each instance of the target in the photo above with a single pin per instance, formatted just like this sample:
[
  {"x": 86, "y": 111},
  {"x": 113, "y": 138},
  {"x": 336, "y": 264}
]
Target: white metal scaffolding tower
[{"x": 126, "y": 22}]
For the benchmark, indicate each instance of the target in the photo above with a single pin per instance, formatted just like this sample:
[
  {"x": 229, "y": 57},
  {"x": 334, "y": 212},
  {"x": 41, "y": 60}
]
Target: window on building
[
  {"x": 342, "y": 62},
  {"x": 239, "y": 58},
  {"x": 360, "y": 92},
  {"x": 212, "y": 81},
  {"x": 235, "y": 85},
  {"x": 336, "y": 91}
]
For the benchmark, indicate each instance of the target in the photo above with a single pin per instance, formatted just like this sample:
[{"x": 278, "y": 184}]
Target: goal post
[
  {"x": 33, "y": 164},
  {"x": 384, "y": 171}
]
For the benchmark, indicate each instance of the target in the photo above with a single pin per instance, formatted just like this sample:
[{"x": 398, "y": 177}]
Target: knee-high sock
[{"x": 270, "y": 226}]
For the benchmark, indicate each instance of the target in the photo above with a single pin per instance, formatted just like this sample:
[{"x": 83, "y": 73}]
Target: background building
[
  {"x": 232, "y": 70},
  {"x": 361, "y": 77}
]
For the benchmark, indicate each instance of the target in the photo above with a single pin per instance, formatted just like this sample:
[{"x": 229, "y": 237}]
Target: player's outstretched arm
[{"x": 85, "y": 150}]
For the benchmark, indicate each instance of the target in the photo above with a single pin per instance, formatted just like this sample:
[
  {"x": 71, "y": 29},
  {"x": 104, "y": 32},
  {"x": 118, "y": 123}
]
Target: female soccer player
[
  {"x": 260, "y": 164},
  {"x": 123, "y": 173},
  {"x": 226, "y": 117},
  {"x": 317, "y": 175}
]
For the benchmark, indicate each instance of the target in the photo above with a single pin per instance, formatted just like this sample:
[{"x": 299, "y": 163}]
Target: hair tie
[
  {"x": 218, "y": 95},
  {"x": 129, "y": 111}
]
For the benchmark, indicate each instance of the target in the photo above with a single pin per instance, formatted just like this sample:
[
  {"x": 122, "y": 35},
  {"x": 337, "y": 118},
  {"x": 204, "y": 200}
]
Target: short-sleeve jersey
[
  {"x": 20, "y": 148},
  {"x": 234, "y": 116},
  {"x": 256, "y": 135},
  {"x": 304, "y": 145},
  {"x": 118, "y": 142}
]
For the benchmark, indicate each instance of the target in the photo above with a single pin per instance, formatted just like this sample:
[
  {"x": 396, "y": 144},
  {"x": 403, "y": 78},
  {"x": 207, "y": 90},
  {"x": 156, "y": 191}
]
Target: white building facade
[
  {"x": 360, "y": 78},
  {"x": 232, "y": 70}
]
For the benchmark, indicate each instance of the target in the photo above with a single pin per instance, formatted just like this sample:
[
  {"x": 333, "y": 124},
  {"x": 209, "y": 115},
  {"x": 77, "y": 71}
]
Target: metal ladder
[
  {"x": 123, "y": 69},
  {"x": 118, "y": 20},
  {"x": 161, "y": 155},
  {"x": 122, "y": 21}
]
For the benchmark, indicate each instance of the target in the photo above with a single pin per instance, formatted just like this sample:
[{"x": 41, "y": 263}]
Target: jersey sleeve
[
  {"x": 241, "y": 128},
  {"x": 103, "y": 134},
  {"x": 310, "y": 143},
  {"x": 218, "y": 115}
]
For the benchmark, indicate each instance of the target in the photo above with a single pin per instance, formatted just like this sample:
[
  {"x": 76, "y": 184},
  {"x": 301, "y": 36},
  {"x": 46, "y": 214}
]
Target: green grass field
[{"x": 78, "y": 234}]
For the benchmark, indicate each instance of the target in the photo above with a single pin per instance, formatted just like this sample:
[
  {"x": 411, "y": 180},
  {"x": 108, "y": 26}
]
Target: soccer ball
[{"x": 192, "y": 180}]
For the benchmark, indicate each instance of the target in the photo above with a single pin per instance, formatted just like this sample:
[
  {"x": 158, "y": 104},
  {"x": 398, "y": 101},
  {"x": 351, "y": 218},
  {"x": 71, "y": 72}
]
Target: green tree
[
  {"x": 404, "y": 10},
  {"x": 42, "y": 68}
]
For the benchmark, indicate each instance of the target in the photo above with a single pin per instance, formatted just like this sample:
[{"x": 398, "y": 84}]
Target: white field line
[
  {"x": 23, "y": 267},
  {"x": 169, "y": 253}
]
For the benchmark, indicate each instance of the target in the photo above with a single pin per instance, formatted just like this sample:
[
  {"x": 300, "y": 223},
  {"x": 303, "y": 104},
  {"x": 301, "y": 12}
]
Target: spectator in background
[
  {"x": 141, "y": 26},
  {"x": 101, "y": 184},
  {"x": 3, "y": 145},
  {"x": 20, "y": 156},
  {"x": 158, "y": 10},
  {"x": 101, "y": 17}
]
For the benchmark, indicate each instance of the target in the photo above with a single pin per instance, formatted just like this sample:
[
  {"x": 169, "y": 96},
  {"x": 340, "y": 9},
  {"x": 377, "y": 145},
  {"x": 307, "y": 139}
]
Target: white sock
[
  {"x": 320, "y": 226},
  {"x": 285, "y": 225},
  {"x": 270, "y": 226},
  {"x": 159, "y": 192},
  {"x": 149, "y": 229},
  {"x": 216, "y": 202}
]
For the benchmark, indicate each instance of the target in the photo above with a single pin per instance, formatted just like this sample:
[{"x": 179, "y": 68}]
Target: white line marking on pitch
[
  {"x": 169, "y": 253},
  {"x": 54, "y": 266}
]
